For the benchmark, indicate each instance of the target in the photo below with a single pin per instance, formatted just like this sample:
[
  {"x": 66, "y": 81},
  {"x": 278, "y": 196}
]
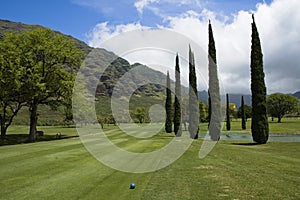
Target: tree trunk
[
  {"x": 279, "y": 120},
  {"x": 33, "y": 122},
  {"x": 3, "y": 131}
]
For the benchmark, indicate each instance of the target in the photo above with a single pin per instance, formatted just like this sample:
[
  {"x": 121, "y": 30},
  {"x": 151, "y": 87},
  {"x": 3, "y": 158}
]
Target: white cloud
[
  {"x": 103, "y": 31},
  {"x": 141, "y": 4},
  {"x": 278, "y": 26}
]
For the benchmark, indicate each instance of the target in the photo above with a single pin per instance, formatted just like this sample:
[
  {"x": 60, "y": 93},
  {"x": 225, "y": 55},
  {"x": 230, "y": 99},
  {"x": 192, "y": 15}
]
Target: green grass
[
  {"x": 288, "y": 126},
  {"x": 19, "y": 133},
  {"x": 63, "y": 169}
]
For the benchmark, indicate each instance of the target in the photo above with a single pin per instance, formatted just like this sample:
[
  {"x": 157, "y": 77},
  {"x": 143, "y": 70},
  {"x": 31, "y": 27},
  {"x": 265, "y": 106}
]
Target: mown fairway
[{"x": 63, "y": 169}]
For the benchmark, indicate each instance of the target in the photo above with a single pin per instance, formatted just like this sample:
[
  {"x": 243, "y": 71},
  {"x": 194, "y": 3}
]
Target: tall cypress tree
[
  {"x": 243, "y": 114},
  {"x": 193, "y": 98},
  {"x": 177, "y": 103},
  {"x": 168, "y": 106},
  {"x": 259, "y": 122},
  {"x": 209, "y": 108},
  {"x": 214, "y": 90},
  {"x": 227, "y": 114}
]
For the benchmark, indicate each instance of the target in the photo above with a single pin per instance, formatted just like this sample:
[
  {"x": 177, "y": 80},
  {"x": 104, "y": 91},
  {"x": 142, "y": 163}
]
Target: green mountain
[{"x": 113, "y": 70}]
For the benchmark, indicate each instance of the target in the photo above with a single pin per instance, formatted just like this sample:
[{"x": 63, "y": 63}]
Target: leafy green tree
[
  {"x": 259, "y": 126},
  {"x": 214, "y": 89},
  {"x": 281, "y": 104},
  {"x": 48, "y": 62},
  {"x": 247, "y": 110},
  {"x": 11, "y": 100},
  {"x": 298, "y": 111},
  {"x": 168, "y": 106},
  {"x": 68, "y": 115},
  {"x": 203, "y": 111},
  {"x": 193, "y": 98},
  {"x": 140, "y": 113},
  {"x": 243, "y": 113},
  {"x": 177, "y": 103},
  {"x": 227, "y": 114}
]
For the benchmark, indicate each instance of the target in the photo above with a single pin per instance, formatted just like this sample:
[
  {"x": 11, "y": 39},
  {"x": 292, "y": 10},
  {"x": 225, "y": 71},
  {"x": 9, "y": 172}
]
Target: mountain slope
[
  {"x": 116, "y": 73},
  {"x": 233, "y": 98},
  {"x": 297, "y": 94},
  {"x": 113, "y": 71}
]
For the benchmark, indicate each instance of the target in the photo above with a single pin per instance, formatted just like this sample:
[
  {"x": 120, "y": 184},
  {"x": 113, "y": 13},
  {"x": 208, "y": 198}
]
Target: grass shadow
[
  {"x": 245, "y": 143},
  {"x": 14, "y": 139}
]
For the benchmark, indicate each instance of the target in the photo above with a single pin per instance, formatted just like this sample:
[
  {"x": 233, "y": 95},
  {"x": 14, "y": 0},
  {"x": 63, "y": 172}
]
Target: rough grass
[
  {"x": 287, "y": 126},
  {"x": 63, "y": 169}
]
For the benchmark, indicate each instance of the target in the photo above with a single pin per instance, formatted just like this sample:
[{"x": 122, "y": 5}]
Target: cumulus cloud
[
  {"x": 103, "y": 31},
  {"x": 278, "y": 26},
  {"x": 141, "y": 4}
]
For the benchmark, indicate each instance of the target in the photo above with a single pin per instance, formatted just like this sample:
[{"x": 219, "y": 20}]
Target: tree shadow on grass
[
  {"x": 245, "y": 143},
  {"x": 14, "y": 139}
]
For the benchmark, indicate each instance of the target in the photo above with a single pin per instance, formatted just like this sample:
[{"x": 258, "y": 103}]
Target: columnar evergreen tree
[
  {"x": 168, "y": 106},
  {"x": 243, "y": 114},
  {"x": 215, "y": 118},
  {"x": 259, "y": 126},
  {"x": 209, "y": 109},
  {"x": 193, "y": 98},
  {"x": 227, "y": 114},
  {"x": 177, "y": 103}
]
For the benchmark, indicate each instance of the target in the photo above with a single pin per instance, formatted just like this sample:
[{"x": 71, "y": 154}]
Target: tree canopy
[
  {"x": 45, "y": 63},
  {"x": 11, "y": 84},
  {"x": 281, "y": 104}
]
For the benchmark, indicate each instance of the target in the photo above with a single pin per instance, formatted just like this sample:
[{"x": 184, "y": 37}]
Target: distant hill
[
  {"x": 130, "y": 77},
  {"x": 233, "y": 98},
  {"x": 297, "y": 94},
  {"x": 236, "y": 99}
]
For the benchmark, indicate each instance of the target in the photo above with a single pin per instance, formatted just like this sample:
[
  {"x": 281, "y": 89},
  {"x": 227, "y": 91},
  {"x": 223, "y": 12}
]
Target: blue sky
[{"x": 78, "y": 17}]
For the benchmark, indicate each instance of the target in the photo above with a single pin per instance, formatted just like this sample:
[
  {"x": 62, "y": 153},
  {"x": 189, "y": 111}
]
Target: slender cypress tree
[
  {"x": 259, "y": 122},
  {"x": 168, "y": 106},
  {"x": 227, "y": 114},
  {"x": 209, "y": 109},
  {"x": 193, "y": 98},
  {"x": 177, "y": 103},
  {"x": 214, "y": 90},
  {"x": 243, "y": 114}
]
